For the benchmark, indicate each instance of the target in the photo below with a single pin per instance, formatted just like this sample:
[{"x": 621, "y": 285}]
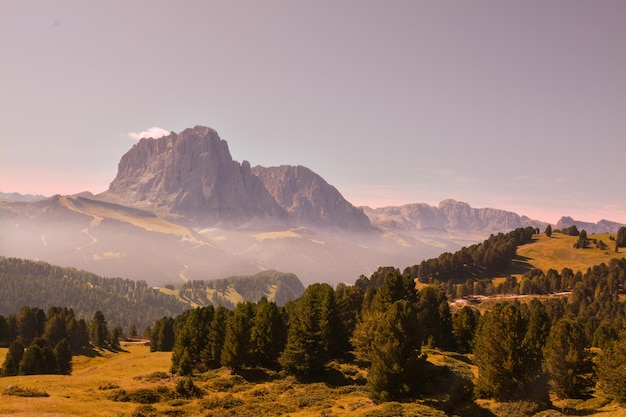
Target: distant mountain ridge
[
  {"x": 180, "y": 208},
  {"x": 449, "y": 215},
  {"x": 603, "y": 226}
]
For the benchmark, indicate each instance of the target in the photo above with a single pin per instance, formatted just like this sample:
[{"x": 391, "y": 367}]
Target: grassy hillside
[
  {"x": 136, "y": 374},
  {"x": 557, "y": 252}
]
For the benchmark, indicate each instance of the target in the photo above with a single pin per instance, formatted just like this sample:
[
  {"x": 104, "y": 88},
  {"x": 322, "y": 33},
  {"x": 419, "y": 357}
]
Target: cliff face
[
  {"x": 310, "y": 200},
  {"x": 192, "y": 174},
  {"x": 449, "y": 215}
]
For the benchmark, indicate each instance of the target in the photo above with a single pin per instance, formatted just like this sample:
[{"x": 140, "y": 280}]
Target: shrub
[
  {"x": 185, "y": 388},
  {"x": 107, "y": 386},
  {"x": 226, "y": 402},
  {"x": 153, "y": 377},
  {"x": 23, "y": 392},
  {"x": 144, "y": 411},
  {"x": 228, "y": 384}
]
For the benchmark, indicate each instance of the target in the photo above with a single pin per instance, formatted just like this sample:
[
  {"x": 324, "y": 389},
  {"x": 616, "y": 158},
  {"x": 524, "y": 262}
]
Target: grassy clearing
[
  {"x": 136, "y": 382},
  {"x": 557, "y": 252}
]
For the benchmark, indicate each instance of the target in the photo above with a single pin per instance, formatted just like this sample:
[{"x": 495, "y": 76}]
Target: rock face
[
  {"x": 310, "y": 200},
  {"x": 449, "y": 215},
  {"x": 192, "y": 174}
]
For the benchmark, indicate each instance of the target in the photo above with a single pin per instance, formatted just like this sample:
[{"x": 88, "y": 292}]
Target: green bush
[
  {"x": 23, "y": 392},
  {"x": 226, "y": 402},
  {"x": 144, "y": 411}
]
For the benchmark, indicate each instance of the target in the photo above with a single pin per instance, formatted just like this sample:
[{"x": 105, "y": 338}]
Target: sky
[{"x": 516, "y": 105}]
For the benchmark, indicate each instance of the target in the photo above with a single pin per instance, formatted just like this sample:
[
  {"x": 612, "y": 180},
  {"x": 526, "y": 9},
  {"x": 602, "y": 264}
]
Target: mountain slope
[
  {"x": 112, "y": 240},
  {"x": 310, "y": 200},
  {"x": 191, "y": 174}
]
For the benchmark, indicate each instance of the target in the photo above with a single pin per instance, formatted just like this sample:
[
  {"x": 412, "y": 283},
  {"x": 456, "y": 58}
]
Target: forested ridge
[
  {"x": 124, "y": 302},
  {"x": 273, "y": 285}
]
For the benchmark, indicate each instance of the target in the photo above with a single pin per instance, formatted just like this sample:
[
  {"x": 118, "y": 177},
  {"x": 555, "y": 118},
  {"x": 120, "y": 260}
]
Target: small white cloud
[{"x": 153, "y": 132}]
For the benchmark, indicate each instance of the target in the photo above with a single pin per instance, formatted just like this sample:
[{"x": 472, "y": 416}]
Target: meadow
[{"x": 136, "y": 382}]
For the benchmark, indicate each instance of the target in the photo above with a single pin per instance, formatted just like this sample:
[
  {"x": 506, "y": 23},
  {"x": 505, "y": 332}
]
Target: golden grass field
[
  {"x": 88, "y": 391},
  {"x": 557, "y": 252}
]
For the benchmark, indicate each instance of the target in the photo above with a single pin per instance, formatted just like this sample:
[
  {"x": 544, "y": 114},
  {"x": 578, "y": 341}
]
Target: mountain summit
[{"x": 191, "y": 174}]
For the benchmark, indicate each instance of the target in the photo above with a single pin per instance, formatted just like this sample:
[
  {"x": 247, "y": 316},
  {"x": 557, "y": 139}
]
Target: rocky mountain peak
[
  {"x": 309, "y": 199},
  {"x": 191, "y": 173}
]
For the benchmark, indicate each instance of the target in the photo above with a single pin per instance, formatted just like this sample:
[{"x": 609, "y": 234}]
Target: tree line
[
  {"x": 43, "y": 343},
  {"x": 488, "y": 258},
  {"x": 522, "y": 350},
  {"x": 124, "y": 302}
]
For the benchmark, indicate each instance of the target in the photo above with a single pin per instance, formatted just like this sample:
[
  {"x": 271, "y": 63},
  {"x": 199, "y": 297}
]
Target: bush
[
  {"x": 226, "y": 402},
  {"x": 228, "y": 384},
  {"x": 142, "y": 395},
  {"x": 144, "y": 411},
  {"x": 107, "y": 386},
  {"x": 23, "y": 392},
  {"x": 185, "y": 388},
  {"x": 153, "y": 377}
]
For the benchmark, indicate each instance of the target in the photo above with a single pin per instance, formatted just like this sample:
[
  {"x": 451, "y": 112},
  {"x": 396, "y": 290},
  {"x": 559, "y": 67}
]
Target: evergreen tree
[
  {"x": 63, "y": 354},
  {"x": 162, "y": 338},
  {"x": 620, "y": 240},
  {"x": 433, "y": 314},
  {"x": 236, "y": 351},
  {"x": 211, "y": 355},
  {"x": 568, "y": 360},
  {"x": 548, "y": 230},
  {"x": 395, "y": 356},
  {"x": 38, "y": 359},
  {"x": 11, "y": 365},
  {"x": 268, "y": 334},
  {"x": 193, "y": 337},
  {"x": 99, "y": 333},
  {"x": 311, "y": 322},
  {"x": 503, "y": 354},
  {"x": 115, "y": 338},
  {"x": 4, "y": 331},
  {"x": 582, "y": 240},
  {"x": 464, "y": 324},
  {"x": 376, "y": 301},
  {"x": 611, "y": 370}
]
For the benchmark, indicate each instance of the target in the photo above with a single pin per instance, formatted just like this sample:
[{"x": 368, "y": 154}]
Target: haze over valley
[{"x": 180, "y": 209}]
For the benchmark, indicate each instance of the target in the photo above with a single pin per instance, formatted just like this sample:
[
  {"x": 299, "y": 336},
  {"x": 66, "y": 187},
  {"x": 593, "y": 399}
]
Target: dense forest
[
  {"x": 524, "y": 351},
  {"x": 570, "y": 345},
  {"x": 125, "y": 302},
  {"x": 277, "y": 286}
]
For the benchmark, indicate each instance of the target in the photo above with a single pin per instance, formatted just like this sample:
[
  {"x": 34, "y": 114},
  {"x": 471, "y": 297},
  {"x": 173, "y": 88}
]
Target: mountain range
[{"x": 180, "y": 208}]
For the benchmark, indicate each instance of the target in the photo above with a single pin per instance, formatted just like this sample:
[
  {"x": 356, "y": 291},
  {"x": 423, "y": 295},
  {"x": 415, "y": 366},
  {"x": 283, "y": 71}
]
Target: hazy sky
[{"x": 518, "y": 105}]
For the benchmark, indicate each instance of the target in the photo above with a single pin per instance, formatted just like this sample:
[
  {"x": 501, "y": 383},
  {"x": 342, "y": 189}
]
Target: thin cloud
[{"x": 153, "y": 132}]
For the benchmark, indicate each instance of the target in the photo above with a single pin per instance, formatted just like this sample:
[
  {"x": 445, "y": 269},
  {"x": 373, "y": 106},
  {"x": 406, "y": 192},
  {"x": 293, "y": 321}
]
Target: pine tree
[
  {"x": 503, "y": 354},
  {"x": 12, "y": 361},
  {"x": 611, "y": 370},
  {"x": 568, "y": 360},
  {"x": 268, "y": 334},
  {"x": 464, "y": 324},
  {"x": 63, "y": 354},
  {"x": 236, "y": 351},
  {"x": 99, "y": 333},
  {"x": 311, "y": 322},
  {"x": 395, "y": 356}
]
